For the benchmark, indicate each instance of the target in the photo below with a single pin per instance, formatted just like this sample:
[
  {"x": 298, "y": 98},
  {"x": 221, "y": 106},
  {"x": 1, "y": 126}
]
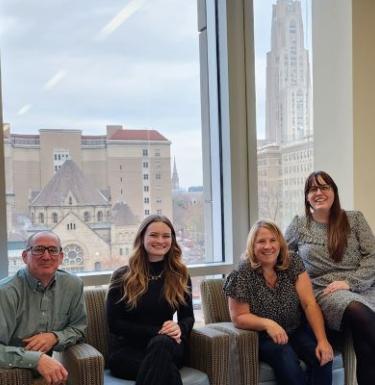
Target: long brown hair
[
  {"x": 283, "y": 259},
  {"x": 338, "y": 223},
  {"x": 135, "y": 280}
]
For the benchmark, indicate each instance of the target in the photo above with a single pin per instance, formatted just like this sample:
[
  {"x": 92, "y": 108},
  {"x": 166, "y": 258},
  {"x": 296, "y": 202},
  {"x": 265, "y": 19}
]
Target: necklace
[{"x": 155, "y": 277}]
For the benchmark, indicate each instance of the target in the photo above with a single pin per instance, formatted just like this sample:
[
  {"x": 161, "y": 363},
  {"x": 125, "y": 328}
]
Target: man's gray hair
[{"x": 47, "y": 232}]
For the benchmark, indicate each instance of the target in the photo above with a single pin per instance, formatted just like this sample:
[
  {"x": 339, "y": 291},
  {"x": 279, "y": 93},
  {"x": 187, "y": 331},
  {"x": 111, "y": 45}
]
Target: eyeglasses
[
  {"x": 40, "y": 250},
  {"x": 322, "y": 188}
]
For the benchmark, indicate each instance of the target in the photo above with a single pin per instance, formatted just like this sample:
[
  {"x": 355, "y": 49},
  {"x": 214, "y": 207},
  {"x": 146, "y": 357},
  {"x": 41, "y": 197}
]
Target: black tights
[{"x": 360, "y": 320}]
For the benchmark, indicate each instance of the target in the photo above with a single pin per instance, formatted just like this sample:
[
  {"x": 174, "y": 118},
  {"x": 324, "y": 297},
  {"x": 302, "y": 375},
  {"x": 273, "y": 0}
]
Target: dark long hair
[
  {"x": 338, "y": 224},
  {"x": 135, "y": 280}
]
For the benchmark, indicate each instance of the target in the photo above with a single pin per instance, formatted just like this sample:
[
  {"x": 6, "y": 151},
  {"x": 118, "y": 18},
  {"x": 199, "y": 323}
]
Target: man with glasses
[{"x": 41, "y": 309}]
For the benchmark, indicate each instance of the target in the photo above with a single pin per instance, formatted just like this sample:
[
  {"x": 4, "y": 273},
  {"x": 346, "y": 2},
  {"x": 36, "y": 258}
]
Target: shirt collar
[{"x": 35, "y": 283}]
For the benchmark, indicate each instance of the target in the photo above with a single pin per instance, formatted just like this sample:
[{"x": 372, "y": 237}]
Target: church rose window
[{"x": 73, "y": 255}]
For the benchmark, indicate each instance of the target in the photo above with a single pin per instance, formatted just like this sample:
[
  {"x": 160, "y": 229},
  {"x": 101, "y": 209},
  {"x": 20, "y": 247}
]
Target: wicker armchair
[
  {"x": 85, "y": 362},
  {"x": 82, "y": 360},
  {"x": 244, "y": 344},
  {"x": 208, "y": 348}
]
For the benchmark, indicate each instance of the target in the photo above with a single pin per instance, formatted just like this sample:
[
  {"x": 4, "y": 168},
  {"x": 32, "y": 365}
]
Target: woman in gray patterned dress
[
  {"x": 272, "y": 293},
  {"x": 338, "y": 249}
]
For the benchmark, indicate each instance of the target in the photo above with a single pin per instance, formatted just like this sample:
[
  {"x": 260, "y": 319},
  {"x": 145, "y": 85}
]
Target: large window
[
  {"x": 102, "y": 126},
  {"x": 106, "y": 106},
  {"x": 284, "y": 106}
]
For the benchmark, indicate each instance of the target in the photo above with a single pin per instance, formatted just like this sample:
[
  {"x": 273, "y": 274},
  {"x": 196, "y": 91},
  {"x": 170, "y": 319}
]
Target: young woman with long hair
[
  {"x": 146, "y": 344},
  {"x": 338, "y": 250},
  {"x": 272, "y": 294}
]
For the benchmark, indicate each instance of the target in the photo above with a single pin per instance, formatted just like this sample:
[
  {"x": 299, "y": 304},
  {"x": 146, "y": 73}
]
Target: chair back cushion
[
  {"x": 214, "y": 302},
  {"x": 97, "y": 328}
]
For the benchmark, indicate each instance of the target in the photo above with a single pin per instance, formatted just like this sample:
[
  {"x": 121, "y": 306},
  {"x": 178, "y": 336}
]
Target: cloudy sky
[{"x": 85, "y": 64}]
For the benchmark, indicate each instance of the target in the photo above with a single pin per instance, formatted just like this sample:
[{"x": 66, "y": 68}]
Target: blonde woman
[
  {"x": 146, "y": 344},
  {"x": 271, "y": 293}
]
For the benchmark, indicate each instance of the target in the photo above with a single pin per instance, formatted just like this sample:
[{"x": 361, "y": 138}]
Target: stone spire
[{"x": 175, "y": 178}]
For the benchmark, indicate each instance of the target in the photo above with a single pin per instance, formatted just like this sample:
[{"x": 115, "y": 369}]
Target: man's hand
[
  {"x": 51, "y": 370},
  {"x": 42, "y": 342}
]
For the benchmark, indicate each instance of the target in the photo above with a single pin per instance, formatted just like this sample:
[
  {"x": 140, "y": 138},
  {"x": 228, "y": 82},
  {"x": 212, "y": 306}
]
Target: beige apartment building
[
  {"x": 297, "y": 162},
  {"x": 281, "y": 179},
  {"x": 270, "y": 182},
  {"x": 92, "y": 190}
]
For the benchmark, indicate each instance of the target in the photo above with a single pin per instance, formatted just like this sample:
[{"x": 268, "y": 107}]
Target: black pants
[{"x": 157, "y": 364}]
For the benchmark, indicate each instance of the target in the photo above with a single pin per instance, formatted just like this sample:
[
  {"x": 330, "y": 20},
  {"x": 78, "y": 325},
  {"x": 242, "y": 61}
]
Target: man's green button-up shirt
[{"x": 27, "y": 308}]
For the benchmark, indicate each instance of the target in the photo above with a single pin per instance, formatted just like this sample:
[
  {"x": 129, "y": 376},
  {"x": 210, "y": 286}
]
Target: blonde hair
[
  {"x": 283, "y": 259},
  {"x": 134, "y": 281}
]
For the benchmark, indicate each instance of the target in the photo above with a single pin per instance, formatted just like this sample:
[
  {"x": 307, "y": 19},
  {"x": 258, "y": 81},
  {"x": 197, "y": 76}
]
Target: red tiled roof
[{"x": 137, "y": 135}]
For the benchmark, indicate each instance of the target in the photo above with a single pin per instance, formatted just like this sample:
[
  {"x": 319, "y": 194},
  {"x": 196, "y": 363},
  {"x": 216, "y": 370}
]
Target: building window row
[{"x": 71, "y": 226}]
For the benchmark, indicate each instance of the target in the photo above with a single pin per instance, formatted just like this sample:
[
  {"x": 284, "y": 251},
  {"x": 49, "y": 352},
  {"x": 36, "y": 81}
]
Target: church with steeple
[
  {"x": 94, "y": 234},
  {"x": 175, "y": 178}
]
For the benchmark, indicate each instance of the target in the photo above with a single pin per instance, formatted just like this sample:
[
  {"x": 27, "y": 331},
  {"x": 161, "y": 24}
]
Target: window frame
[{"x": 228, "y": 137}]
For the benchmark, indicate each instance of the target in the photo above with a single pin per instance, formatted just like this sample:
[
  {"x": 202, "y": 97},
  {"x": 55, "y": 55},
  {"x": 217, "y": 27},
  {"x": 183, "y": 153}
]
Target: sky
[{"x": 86, "y": 64}]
